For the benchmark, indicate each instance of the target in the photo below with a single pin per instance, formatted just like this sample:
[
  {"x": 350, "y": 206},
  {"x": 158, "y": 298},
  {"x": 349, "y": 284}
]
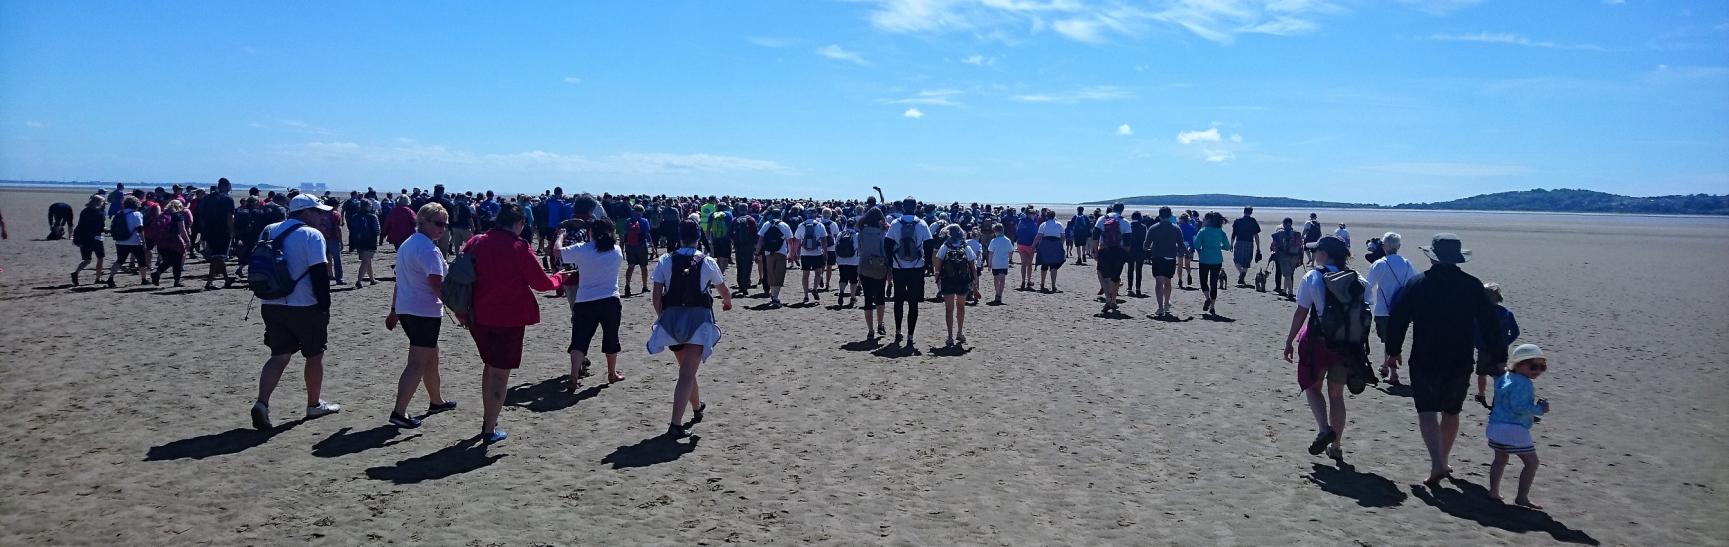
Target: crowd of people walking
[{"x": 478, "y": 258}]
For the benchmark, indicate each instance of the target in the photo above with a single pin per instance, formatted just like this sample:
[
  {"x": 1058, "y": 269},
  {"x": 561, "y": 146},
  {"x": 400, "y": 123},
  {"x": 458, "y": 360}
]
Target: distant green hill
[
  {"x": 1583, "y": 201},
  {"x": 1229, "y": 200}
]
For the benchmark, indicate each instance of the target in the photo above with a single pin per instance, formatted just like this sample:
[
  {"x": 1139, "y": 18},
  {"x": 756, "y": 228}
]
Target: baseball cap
[
  {"x": 1331, "y": 245},
  {"x": 1446, "y": 248},
  {"x": 305, "y": 201}
]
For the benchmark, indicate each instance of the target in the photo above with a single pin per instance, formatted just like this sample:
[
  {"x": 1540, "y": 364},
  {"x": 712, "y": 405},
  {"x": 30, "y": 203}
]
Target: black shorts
[
  {"x": 1164, "y": 267},
  {"x": 288, "y": 329},
  {"x": 722, "y": 247},
  {"x": 422, "y": 331},
  {"x": 848, "y": 274},
  {"x": 873, "y": 291},
  {"x": 585, "y": 317},
  {"x": 909, "y": 284},
  {"x": 1111, "y": 260},
  {"x": 636, "y": 256},
  {"x": 95, "y": 248},
  {"x": 828, "y": 259},
  {"x": 999, "y": 271},
  {"x": 1439, "y": 392},
  {"x": 217, "y": 245},
  {"x": 960, "y": 286},
  {"x": 811, "y": 262},
  {"x": 122, "y": 252}
]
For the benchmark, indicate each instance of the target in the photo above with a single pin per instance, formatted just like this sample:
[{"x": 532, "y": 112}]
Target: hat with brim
[
  {"x": 1525, "y": 352},
  {"x": 1331, "y": 245},
  {"x": 305, "y": 201},
  {"x": 1445, "y": 248}
]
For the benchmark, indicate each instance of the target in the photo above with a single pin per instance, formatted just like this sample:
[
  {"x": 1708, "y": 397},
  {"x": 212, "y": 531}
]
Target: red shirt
[
  {"x": 504, "y": 271},
  {"x": 399, "y": 225}
]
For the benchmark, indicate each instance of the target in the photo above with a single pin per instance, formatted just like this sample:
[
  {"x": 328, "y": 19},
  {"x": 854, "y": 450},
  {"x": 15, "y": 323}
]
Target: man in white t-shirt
[
  {"x": 1386, "y": 277},
  {"x": 905, "y": 243},
  {"x": 420, "y": 270},
  {"x": 774, "y": 256},
  {"x": 299, "y": 322},
  {"x": 813, "y": 235}
]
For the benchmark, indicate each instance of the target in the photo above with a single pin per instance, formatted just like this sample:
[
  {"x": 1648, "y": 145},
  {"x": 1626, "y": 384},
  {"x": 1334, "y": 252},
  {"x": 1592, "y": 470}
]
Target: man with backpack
[
  {"x": 1164, "y": 243},
  {"x": 290, "y": 275},
  {"x": 1246, "y": 241},
  {"x": 125, "y": 229},
  {"x": 1080, "y": 228},
  {"x": 1445, "y": 305},
  {"x": 1311, "y": 230},
  {"x": 1108, "y": 235},
  {"x": 772, "y": 245},
  {"x": 216, "y": 213},
  {"x": 743, "y": 241},
  {"x": 873, "y": 269},
  {"x": 847, "y": 259},
  {"x": 1287, "y": 255},
  {"x": 814, "y": 235},
  {"x": 1330, "y": 328},
  {"x": 715, "y": 226},
  {"x": 906, "y": 237},
  {"x": 636, "y": 241}
]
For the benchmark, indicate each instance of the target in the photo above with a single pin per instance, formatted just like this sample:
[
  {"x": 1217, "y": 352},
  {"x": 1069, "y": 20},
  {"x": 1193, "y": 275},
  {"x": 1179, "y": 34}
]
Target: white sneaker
[{"x": 322, "y": 409}]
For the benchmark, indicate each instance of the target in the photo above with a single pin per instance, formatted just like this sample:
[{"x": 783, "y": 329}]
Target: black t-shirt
[
  {"x": 1163, "y": 240},
  {"x": 213, "y": 214},
  {"x": 1245, "y": 228}
]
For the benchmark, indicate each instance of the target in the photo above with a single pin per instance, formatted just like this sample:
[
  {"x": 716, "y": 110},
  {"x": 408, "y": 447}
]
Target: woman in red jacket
[
  {"x": 399, "y": 222},
  {"x": 506, "y": 273}
]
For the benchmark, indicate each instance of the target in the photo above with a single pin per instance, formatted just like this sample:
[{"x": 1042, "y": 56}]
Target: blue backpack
[{"x": 267, "y": 269}]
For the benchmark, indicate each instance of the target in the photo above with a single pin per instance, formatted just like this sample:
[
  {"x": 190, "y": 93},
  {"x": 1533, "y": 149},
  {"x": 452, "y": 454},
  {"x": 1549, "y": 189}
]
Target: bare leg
[
  {"x": 576, "y": 358},
  {"x": 949, "y": 315},
  {"x": 492, "y": 387},
  {"x": 685, "y": 392},
  {"x": 961, "y": 315},
  {"x": 314, "y": 378},
  {"x": 268, "y": 377},
  {"x": 1317, "y": 406},
  {"x": 1496, "y": 468},
  {"x": 612, "y": 374},
  {"x": 1526, "y": 476},
  {"x": 1336, "y": 413},
  {"x": 1430, "y": 425},
  {"x": 408, "y": 382},
  {"x": 1449, "y": 433},
  {"x": 429, "y": 374}
]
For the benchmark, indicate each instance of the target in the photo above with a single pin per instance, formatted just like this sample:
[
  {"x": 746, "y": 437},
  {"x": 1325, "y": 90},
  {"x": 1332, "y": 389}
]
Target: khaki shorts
[{"x": 774, "y": 270}]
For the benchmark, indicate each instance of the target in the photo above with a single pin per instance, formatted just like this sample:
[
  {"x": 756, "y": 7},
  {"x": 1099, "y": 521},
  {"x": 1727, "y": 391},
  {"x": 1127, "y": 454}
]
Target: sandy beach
[{"x": 126, "y": 410}]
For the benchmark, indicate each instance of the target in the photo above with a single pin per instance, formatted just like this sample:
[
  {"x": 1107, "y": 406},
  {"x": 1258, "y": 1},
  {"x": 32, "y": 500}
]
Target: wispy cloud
[
  {"x": 1509, "y": 39},
  {"x": 1091, "y": 93},
  {"x": 1211, "y": 134},
  {"x": 1125, "y": 130},
  {"x": 934, "y": 97},
  {"x": 980, "y": 60},
  {"x": 531, "y": 161},
  {"x": 834, "y": 51},
  {"x": 1097, "y": 21},
  {"x": 35, "y": 125},
  {"x": 1439, "y": 7},
  {"x": 1210, "y": 145},
  {"x": 1448, "y": 169},
  {"x": 770, "y": 41},
  {"x": 572, "y": 80},
  {"x": 913, "y": 113}
]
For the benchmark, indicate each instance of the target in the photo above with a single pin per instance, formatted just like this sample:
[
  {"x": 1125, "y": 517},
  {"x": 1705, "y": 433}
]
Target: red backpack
[
  {"x": 633, "y": 233},
  {"x": 1111, "y": 232}
]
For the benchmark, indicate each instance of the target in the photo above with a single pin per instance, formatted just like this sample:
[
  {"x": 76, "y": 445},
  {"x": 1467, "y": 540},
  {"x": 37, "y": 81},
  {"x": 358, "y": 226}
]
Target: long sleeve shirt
[
  {"x": 1443, "y": 307},
  {"x": 1515, "y": 401},
  {"x": 505, "y": 275}
]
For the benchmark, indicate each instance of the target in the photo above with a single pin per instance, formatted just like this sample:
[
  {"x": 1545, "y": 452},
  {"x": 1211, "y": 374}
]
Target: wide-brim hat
[
  {"x": 1331, "y": 245},
  {"x": 1446, "y": 248},
  {"x": 305, "y": 201}
]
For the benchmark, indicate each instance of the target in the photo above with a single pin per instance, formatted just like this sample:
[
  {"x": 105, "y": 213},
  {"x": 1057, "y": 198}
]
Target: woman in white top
[
  {"x": 953, "y": 284},
  {"x": 1049, "y": 248},
  {"x": 594, "y": 301},
  {"x": 848, "y": 264},
  {"x": 420, "y": 270},
  {"x": 684, "y": 320}
]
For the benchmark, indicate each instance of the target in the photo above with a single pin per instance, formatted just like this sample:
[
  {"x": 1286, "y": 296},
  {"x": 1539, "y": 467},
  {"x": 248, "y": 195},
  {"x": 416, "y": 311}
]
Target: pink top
[
  {"x": 504, "y": 272},
  {"x": 399, "y": 225}
]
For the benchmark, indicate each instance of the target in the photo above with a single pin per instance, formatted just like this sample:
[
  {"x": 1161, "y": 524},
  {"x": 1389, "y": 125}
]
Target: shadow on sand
[
  {"x": 343, "y": 443},
  {"x": 653, "y": 450},
  {"x": 863, "y": 345},
  {"x": 1369, "y": 489},
  {"x": 462, "y": 457},
  {"x": 1471, "y": 502},
  {"x": 549, "y": 395},
  {"x": 228, "y": 442}
]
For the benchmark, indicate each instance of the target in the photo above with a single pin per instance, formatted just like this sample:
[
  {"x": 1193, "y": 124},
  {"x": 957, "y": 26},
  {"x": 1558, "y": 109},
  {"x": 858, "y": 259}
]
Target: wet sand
[{"x": 127, "y": 413}]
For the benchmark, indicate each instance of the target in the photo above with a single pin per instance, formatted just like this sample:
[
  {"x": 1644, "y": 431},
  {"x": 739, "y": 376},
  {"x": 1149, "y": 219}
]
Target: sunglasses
[{"x": 1537, "y": 367}]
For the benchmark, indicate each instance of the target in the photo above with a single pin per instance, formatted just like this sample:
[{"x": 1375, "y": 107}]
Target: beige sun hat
[{"x": 1525, "y": 352}]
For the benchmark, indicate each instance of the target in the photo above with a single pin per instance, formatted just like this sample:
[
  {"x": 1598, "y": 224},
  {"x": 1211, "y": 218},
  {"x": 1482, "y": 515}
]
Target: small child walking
[
  {"x": 1509, "y": 430},
  {"x": 1509, "y": 334}
]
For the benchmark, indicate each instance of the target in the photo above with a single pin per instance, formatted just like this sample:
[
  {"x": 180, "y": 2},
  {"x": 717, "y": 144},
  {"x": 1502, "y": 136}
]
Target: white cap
[
  {"x": 1525, "y": 352},
  {"x": 305, "y": 201}
]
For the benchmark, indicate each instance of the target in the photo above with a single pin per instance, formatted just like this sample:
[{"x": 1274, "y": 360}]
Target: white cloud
[
  {"x": 1236, "y": 137},
  {"x": 980, "y": 60},
  {"x": 1091, "y": 93},
  {"x": 1218, "y": 156},
  {"x": 1211, "y": 134},
  {"x": 1439, "y": 7},
  {"x": 913, "y": 113},
  {"x": 407, "y": 152},
  {"x": 35, "y": 125},
  {"x": 1509, "y": 39},
  {"x": 934, "y": 97},
  {"x": 1448, "y": 169},
  {"x": 1096, "y": 21},
  {"x": 1125, "y": 130},
  {"x": 572, "y": 80},
  {"x": 770, "y": 41},
  {"x": 834, "y": 51}
]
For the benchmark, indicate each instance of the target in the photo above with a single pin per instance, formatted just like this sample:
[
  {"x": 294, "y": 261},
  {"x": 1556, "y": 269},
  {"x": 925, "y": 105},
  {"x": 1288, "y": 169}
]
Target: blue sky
[{"x": 1005, "y": 100}]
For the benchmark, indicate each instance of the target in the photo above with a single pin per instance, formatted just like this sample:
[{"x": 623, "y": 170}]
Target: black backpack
[
  {"x": 773, "y": 239},
  {"x": 845, "y": 248},
  {"x": 1346, "y": 317},
  {"x": 955, "y": 264},
  {"x": 685, "y": 288},
  {"x": 810, "y": 237},
  {"x": 119, "y": 228}
]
